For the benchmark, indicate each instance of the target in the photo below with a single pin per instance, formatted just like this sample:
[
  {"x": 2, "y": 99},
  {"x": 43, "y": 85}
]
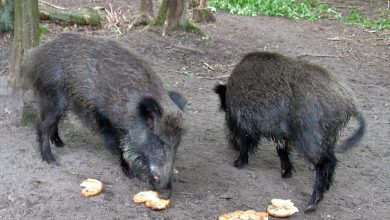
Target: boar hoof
[
  {"x": 286, "y": 173},
  {"x": 58, "y": 142},
  {"x": 48, "y": 157},
  {"x": 238, "y": 163},
  {"x": 310, "y": 208}
]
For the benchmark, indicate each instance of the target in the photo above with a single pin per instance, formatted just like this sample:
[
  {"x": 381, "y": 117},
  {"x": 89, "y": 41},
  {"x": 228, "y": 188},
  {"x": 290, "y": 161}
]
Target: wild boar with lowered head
[{"x": 116, "y": 93}]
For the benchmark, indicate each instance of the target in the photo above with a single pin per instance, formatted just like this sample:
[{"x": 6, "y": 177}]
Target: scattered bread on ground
[
  {"x": 91, "y": 187},
  {"x": 244, "y": 215},
  {"x": 281, "y": 208},
  {"x": 151, "y": 200}
]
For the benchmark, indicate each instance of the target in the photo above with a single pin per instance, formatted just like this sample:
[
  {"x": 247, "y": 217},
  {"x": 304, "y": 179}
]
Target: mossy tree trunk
[
  {"x": 26, "y": 36},
  {"x": 202, "y": 13},
  {"x": 176, "y": 13},
  {"x": 162, "y": 12},
  {"x": 173, "y": 15}
]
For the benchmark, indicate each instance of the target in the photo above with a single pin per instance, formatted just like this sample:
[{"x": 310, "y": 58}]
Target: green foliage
[
  {"x": 294, "y": 9},
  {"x": 43, "y": 29},
  {"x": 6, "y": 15},
  {"x": 382, "y": 23},
  {"x": 188, "y": 73},
  {"x": 308, "y": 9},
  {"x": 356, "y": 17}
]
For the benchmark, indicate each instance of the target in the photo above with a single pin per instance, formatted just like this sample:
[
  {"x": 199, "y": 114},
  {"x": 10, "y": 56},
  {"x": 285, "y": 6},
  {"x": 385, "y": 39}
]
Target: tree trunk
[
  {"x": 146, "y": 8},
  {"x": 173, "y": 15},
  {"x": 202, "y": 4},
  {"x": 193, "y": 3},
  {"x": 26, "y": 35},
  {"x": 176, "y": 13},
  {"x": 162, "y": 13},
  {"x": 202, "y": 13}
]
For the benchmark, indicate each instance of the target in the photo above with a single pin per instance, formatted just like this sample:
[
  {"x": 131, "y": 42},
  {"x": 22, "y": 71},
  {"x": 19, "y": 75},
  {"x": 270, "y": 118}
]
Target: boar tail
[{"x": 358, "y": 134}]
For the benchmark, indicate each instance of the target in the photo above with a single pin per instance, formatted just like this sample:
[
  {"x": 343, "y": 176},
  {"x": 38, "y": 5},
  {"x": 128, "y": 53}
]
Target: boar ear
[
  {"x": 150, "y": 111},
  {"x": 178, "y": 99},
  {"x": 221, "y": 91}
]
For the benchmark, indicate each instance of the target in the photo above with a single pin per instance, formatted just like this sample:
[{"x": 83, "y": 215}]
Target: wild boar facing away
[{"x": 296, "y": 104}]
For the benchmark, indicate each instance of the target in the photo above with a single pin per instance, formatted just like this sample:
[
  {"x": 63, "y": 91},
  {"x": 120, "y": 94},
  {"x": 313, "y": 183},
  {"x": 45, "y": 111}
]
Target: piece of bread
[
  {"x": 91, "y": 187},
  {"x": 244, "y": 215},
  {"x": 281, "y": 208},
  {"x": 151, "y": 200}
]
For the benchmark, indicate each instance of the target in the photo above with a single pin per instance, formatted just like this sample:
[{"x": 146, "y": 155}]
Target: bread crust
[
  {"x": 281, "y": 208},
  {"x": 244, "y": 215},
  {"x": 151, "y": 200},
  {"x": 91, "y": 187}
]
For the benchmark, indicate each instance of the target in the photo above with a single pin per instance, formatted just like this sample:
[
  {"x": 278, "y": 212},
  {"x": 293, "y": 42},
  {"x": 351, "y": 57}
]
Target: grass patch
[
  {"x": 355, "y": 17},
  {"x": 308, "y": 9},
  {"x": 294, "y": 9},
  {"x": 43, "y": 29}
]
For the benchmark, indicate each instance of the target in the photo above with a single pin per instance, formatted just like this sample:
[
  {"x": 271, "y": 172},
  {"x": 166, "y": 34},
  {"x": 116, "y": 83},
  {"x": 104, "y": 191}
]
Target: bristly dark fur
[
  {"x": 178, "y": 99},
  {"x": 149, "y": 110},
  {"x": 114, "y": 92},
  {"x": 109, "y": 132},
  {"x": 294, "y": 103}
]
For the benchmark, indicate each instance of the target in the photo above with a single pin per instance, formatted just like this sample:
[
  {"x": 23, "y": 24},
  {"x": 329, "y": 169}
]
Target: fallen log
[{"x": 81, "y": 17}]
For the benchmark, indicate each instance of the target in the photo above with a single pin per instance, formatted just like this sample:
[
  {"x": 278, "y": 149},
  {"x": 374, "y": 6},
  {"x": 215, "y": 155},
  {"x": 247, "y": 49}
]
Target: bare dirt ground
[{"x": 207, "y": 184}]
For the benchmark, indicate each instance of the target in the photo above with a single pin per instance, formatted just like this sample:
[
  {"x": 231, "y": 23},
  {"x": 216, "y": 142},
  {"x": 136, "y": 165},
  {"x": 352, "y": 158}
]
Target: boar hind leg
[
  {"x": 52, "y": 109},
  {"x": 247, "y": 144},
  {"x": 125, "y": 167},
  {"x": 44, "y": 128},
  {"x": 324, "y": 176},
  {"x": 54, "y": 137},
  {"x": 286, "y": 166}
]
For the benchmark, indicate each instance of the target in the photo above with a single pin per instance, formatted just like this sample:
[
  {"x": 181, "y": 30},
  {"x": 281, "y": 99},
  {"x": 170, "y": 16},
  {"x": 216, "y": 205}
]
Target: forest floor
[{"x": 207, "y": 184}]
